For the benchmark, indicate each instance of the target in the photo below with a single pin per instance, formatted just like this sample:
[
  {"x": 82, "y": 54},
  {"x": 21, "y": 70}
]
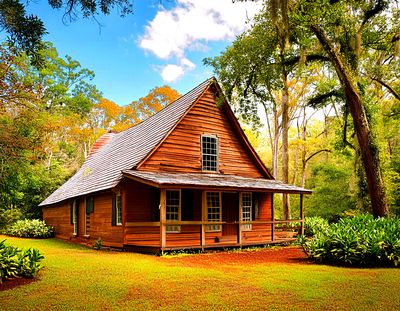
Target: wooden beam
[
  {"x": 163, "y": 215},
  {"x": 124, "y": 211},
  {"x": 239, "y": 238},
  {"x": 203, "y": 220},
  {"x": 272, "y": 217},
  {"x": 301, "y": 215}
]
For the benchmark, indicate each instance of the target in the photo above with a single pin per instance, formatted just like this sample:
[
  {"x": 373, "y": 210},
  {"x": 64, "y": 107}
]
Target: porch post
[
  {"x": 301, "y": 215},
  {"x": 163, "y": 237},
  {"x": 203, "y": 219},
  {"x": 239, "y": 238},
  {"x": 124, "y": 211},
  {"x": 272, "y": 218}
]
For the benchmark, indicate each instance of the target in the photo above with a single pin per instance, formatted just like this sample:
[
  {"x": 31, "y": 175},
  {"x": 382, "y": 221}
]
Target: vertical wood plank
[
  {"x": 301, "y": 215},
  {"x": 163, "y": 215},
  {"x": 203, "y": 219},
  {"x": 239, "y": 238}
]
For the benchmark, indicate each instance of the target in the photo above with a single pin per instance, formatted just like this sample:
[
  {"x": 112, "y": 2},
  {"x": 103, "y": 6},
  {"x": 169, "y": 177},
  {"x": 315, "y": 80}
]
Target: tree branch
[
  {"x": 315, "y": 153},
  {"x": 309, "y": 58},
  {"x": 389, "y": 88},
  {"x": 321, "y": 98}
]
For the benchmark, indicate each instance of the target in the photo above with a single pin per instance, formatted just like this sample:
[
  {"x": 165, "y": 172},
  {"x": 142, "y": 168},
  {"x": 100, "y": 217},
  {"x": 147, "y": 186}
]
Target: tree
[
  {"x": 349, "y": 33},
  {"x": 26, "y": 32},
  {"x": 40, "y": 111},
  {"x": 158, "y": 98}
]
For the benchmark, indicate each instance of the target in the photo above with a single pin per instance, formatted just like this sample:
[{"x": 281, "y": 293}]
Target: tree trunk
[
  {"x": 369, "y": 150},
  {"x": 275, "y": 147},
  {"x": 285, "y": 144}
]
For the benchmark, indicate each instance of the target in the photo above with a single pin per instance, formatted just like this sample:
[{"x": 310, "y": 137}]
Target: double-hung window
[
  {"x": 213, "y": 204},
  {"x": 173, "y": 209},
  {"x": 75, "y": 216},
  {"x": 246, "y": 206},
  {"x": 118, "y": 209},
  {"x": 209, "y": 153}
]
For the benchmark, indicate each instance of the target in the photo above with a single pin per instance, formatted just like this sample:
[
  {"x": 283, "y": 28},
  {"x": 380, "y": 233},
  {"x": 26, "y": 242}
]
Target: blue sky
[{"x": 162, "y": 42}]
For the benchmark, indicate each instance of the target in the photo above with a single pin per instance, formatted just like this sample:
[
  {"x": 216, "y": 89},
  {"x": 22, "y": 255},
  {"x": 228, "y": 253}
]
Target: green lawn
[{"x": 78, "y": 278}]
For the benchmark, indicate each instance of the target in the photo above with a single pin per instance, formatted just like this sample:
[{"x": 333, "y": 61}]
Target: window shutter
[{"x": 113, "y": 211}]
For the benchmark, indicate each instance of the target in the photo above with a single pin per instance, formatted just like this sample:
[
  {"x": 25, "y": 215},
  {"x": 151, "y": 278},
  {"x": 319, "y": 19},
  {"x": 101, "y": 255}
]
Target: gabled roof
[
  {"x": 125, "y": 150},
  {"x": 214, "y": 181}
]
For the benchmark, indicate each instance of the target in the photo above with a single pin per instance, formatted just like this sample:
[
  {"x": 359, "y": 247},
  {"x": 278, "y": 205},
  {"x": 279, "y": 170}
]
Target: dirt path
[{"x": 286, "y": 255}]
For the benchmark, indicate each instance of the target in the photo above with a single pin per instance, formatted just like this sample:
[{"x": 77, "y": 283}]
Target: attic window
[{"x": 209, "y": 153}]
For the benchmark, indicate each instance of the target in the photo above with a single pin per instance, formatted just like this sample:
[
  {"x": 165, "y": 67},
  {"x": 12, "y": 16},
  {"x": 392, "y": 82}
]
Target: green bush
[
  {"x": 30, "y": 228},
  {"x": 15, "y": 262},
  {"x": 361, "y": 240},
  {"x": 313, "y": 225},
  {"x": 8, "y": 217}
]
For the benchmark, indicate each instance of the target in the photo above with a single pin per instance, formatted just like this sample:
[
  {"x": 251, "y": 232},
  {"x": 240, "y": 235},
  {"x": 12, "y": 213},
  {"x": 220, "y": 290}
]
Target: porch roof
[{"x": 219, "y": 181}]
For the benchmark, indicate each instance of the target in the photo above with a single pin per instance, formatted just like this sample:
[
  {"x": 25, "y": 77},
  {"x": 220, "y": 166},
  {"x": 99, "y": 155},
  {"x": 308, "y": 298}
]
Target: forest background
[{"x": 281, "y": 80}]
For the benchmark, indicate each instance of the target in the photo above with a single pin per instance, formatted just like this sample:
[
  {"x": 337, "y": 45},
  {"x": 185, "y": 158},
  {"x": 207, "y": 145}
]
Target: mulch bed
[
  {"x": 284, "y": 255},
  {"x": 11, "y": 283}
]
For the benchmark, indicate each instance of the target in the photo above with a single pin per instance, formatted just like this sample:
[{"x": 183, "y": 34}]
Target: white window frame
[
  {"x": 202, "y": 152},
  {"x": 75, "y": 216},
  {"x": 173, "y": 228},
  {"x": 118, "y": 209},
  {"x": 213, "y": 228},
  {"x": 243, "y": 217}
]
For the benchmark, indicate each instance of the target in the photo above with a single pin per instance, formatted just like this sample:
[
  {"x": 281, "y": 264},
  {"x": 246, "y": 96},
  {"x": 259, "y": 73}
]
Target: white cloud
[
  {"x": 171, "y": 72},
  {"x": 190, "y": 25}
]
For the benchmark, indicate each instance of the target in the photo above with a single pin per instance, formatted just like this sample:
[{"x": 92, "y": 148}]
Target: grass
[{"x": 78, "y": 278}]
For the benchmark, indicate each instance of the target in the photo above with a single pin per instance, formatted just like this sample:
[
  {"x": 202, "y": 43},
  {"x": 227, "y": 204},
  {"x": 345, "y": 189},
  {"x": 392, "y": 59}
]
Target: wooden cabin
[{"x": 186, "y": 177}]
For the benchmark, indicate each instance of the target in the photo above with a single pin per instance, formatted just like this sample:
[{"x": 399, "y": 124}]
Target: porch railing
[{"x": 154, "y": 233}]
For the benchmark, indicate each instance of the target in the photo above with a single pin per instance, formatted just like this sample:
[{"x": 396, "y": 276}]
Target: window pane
[
  {"x": 172, "y": 205},
  {"x": 118, "y": 209},
  {"x": 209, "y": 153},
  {"x": 246, "y": 209},
  {"x": 213, "y": 210}
]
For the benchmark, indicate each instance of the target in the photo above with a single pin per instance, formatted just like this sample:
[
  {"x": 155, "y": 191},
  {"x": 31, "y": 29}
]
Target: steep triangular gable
[
  {"x": 180, "y": 151},
  {"x": 125, "y": 150}
]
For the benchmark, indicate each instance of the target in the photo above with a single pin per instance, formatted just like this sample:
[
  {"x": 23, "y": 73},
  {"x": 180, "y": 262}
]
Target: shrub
[
  {"x": 362, "y": 240},
  {"x": 30, "y": 228},
  {"x": 313, "y": 225},
  {"x": 98, "y": 244},
  {"x": 8, "y": 217},
  {"x": 15, "y": 262}
]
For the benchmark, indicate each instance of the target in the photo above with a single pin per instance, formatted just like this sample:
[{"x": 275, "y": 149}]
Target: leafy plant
[
  {"x": 361, "y": 240},
  {"x": 30, "y": 228},
  {"x": 98, "y": 244},
  {"x": 313, "y": 225},
  {"x": 15, "y": 262}
]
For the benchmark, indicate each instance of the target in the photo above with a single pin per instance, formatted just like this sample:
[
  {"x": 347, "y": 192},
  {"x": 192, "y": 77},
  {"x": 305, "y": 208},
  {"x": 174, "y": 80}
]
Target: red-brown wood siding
[
  {"x": 181, "y": 151},
  {"x": 59, "y": 217},
  {"x": 101, "y": 221},
  {"x": 98, "y": 224}
]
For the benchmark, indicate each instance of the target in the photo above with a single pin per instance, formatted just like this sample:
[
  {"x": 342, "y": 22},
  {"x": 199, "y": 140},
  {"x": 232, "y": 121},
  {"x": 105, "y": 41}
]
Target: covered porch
[{"x": 199, "y": 211}]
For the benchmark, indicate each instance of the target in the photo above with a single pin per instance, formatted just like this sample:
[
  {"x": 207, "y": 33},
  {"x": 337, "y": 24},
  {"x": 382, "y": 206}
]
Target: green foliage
[
  {"x": 15, "y": 262},
  {"x": 333, "y": 195},
  {"x": 97, "y": 245},
  {"x": 361, "y": 240},
  {"x": 313, "y": 225},
  {"x": 30, "y": 228},
  {"x": 9, "y": 216}
]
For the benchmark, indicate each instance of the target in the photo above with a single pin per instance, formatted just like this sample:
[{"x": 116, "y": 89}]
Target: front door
[{"x": 230, "y": 213}]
